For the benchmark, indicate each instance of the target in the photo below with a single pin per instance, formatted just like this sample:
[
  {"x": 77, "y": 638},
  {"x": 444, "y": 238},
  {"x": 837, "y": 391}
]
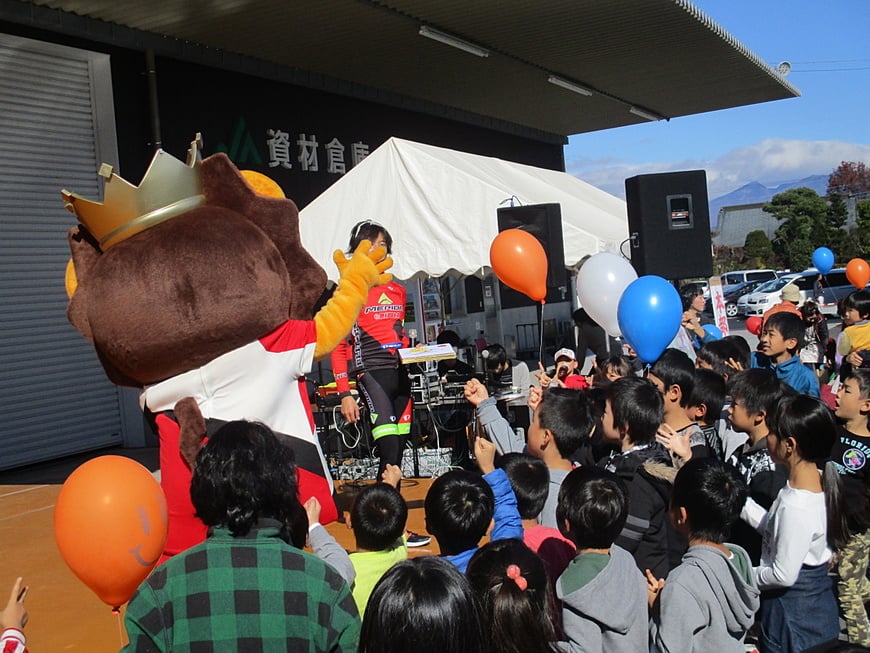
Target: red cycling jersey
[{"x": 377, "y": 334}]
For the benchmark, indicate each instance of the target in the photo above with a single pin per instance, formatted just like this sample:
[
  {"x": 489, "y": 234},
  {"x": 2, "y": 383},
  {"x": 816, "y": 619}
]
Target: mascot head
[{"x": 189, "y": 265}]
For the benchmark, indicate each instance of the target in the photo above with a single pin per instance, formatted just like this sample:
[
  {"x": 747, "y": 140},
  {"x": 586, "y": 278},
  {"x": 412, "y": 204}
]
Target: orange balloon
[
  {"x": 110, "y": 526},
  {"x": 263, "y": 185},
  {"x": 519, "y": 261},
  {"x": 858, "y": 273}
]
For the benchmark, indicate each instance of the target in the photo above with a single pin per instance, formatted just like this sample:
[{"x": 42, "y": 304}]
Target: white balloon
[{"x": 600, "y": 283}]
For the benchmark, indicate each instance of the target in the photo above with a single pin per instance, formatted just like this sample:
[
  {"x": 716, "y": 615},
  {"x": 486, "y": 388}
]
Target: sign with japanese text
[{"x": 717, "y": 300}]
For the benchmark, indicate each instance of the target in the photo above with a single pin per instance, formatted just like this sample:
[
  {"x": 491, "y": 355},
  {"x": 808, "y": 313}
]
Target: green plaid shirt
[{"x": 243, "y": 594}]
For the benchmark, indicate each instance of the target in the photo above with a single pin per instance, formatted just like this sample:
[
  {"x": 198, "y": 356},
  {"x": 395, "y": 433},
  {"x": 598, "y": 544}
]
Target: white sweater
[{"x": 794, "y": 532}]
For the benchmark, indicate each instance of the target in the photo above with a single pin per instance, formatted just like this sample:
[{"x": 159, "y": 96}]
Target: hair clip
[{"x": 513, "y": 572}]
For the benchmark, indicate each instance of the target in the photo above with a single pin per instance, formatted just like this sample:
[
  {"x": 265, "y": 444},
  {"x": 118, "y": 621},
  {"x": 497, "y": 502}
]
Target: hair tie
[{"x": 513, "y": 572}]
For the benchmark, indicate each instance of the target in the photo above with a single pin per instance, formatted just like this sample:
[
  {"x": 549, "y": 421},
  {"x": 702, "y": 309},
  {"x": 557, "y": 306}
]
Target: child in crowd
[
  {"x": 709, "y": 601},
  {"x": 815, "y": 336},
  {"x": 632, "y": 415},
  {"x": 854, "y": 342},
  {"x": 460, "y": 505},
  {"x": 515, "y": 598},
  {"x": 800, "y": 532},
  {"x": 609, "y": 368},
  {"x": 602, "y": 591},
  {"x": 566, "y": 372},
  {"x": 754, "y": 394},
  {"x": 850, "y": 455},
  {"x": 244, "y": 489},
  {"x": 424, "y": 605},
  {"x": 780, "y": 342},
  {"x": 530, "y": 481},
  {"x": 705, "y": 407},
  {"x": 13, "y": 618},
  {"x": 674, "y": 376},
  {"x": 563, "y": 420},
  {"x": 721, "y": 355},
  {"x": 377, "y": 518}
]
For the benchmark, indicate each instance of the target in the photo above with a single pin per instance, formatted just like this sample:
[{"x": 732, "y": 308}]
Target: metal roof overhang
[{"x": 663, "y": 57}]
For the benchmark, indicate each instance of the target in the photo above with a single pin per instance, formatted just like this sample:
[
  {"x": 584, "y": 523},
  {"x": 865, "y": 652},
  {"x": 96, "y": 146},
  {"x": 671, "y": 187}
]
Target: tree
[
  {"x": 804, "y": 227},
  {"x": 849, "y": 178},
  {"x": 861, "y": 231},
  {"x": 838, "y": 214},
  {"x": 757, "y": 249}
]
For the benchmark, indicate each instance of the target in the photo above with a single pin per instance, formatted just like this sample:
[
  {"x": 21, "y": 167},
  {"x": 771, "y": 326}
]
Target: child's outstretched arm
[
  {"x": 12, "y": 619},
  {"x": 392, "y": 475},
  {"x": 496, "y": 427},
  {"x": 507, "y": 523},
  {"x": 325, "y": 546}
]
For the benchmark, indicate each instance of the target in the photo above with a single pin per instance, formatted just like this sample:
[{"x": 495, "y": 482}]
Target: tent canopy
[{"x": 439, "y": 205}]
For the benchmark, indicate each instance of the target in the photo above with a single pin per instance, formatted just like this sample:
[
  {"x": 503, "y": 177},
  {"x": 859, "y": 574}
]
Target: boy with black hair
[
  {"x": 851, "y": 456},
  {"x": 705, "y": 407},
  {"x": 720, "y": 356},
  {"x": 461, "y": 506},
  {"x": 602, "y": 591},
  {"x": 377, "y": 518},
  {"x": 779, "y": 344},
  {"x": 562, "y": 422},
  {"x": 674, "y": 376},
  {"x": 633, "y": 414},
  {"x": 709, "y": 601},
  {"x": 754, "y": 395},
  {"x": 530, "y": 481}
]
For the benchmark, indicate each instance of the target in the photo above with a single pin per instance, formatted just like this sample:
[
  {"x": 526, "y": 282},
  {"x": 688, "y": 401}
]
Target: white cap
[{"x": 565, "y": 352}]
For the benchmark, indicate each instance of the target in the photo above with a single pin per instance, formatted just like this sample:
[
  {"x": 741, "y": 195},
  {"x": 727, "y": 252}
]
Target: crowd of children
[{"x": 679, "y": 507}]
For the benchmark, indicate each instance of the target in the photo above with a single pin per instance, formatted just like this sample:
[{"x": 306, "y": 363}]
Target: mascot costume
[{"x": 195, "y": 288}]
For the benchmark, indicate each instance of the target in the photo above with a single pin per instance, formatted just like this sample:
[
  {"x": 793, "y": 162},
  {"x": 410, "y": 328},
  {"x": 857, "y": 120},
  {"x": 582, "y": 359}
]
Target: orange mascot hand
[{"x": 362, "y": 271}]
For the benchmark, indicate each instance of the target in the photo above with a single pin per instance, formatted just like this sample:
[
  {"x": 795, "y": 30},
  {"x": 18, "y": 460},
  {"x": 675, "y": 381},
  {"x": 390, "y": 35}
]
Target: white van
[
  {"x": 739, "y": 276},
  {"x": 835, "y": 287}
]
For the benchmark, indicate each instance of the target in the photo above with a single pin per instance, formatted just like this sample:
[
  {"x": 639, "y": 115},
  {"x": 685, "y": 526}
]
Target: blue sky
[{"x": 828, "y": 47}]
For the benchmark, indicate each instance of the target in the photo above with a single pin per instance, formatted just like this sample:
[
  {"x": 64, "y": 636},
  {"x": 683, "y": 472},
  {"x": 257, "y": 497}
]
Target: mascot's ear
[
  {"x": 223, "y": 185},
  {"x": 84, "y": 256},
  {"x": 192, "y": 429}
]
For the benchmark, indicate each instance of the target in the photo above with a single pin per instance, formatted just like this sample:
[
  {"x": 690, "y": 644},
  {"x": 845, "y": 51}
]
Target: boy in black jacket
[{"x": 633, "y": 414}]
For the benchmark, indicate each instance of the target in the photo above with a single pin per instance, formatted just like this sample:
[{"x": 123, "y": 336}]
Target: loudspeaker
[
  {"x": 544, "y": 222},
  {"x": 669, "y": 224}
]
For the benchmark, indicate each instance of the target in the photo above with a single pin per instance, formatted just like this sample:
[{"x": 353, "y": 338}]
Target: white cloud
[{"x": 771, "y": 161}]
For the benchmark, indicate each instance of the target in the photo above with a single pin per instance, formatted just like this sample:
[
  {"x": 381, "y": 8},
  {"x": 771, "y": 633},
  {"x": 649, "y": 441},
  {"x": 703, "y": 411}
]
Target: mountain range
[{"x": 755, "y": 192}]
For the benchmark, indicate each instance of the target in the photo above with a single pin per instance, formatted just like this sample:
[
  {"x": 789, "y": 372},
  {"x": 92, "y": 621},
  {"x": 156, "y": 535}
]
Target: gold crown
[{"x": 168, "y": 189}]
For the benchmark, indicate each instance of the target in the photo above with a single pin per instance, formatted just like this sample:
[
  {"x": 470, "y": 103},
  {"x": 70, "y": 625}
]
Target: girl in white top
[{"x": 800, "y": 532}]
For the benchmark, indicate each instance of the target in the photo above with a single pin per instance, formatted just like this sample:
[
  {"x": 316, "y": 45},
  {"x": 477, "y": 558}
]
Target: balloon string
[
  {"x": 541, "y": 334},
  {"x": 117, "y": 613}
]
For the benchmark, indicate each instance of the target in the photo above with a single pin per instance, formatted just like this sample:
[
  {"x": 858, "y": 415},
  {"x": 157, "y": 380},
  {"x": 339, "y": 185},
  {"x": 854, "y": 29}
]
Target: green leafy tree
[
  {"x": 757, "y": 249},
  {"x": 804, "y": 225}
]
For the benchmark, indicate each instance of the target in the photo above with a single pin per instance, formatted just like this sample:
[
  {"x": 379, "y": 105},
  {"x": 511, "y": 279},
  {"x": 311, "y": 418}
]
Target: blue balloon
[
  {"x": 713, "y": 330},
  {"x": 649, "y": 316},
  {"x": 823, "y": 259}
]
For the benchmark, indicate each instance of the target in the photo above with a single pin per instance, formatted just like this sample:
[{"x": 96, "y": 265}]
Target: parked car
[
  {"x": 835, "y": 287},
  {"x": 731, "y": 295},
  {"x": 741, "y": 276}
]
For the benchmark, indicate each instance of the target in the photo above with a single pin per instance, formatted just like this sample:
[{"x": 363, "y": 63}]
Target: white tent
[{"x": 440, "y": 208}]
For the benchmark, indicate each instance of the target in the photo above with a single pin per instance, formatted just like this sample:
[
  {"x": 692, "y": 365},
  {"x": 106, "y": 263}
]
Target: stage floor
[{"x": 64, "y": 614}]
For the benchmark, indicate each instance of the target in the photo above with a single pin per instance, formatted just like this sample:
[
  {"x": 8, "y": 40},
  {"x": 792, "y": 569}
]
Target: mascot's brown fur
[{"x": 175, "y": 297}]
